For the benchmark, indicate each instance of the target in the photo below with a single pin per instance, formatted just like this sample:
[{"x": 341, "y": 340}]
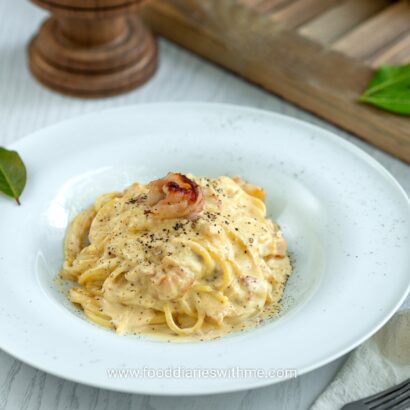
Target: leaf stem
[{"x": 18, "y": 201}]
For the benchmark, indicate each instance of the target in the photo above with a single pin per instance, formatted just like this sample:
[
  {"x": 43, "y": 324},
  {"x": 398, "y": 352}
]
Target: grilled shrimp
[{"x": 174, "y": 196}]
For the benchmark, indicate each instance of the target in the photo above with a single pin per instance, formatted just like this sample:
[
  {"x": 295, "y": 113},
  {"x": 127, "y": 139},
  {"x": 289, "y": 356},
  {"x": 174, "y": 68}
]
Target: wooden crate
[{"x": 318, "y": 54}]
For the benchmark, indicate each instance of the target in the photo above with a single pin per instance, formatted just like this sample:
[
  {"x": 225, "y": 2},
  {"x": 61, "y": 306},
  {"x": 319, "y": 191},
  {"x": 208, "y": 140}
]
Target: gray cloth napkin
[{"x": 379, "y": 363}]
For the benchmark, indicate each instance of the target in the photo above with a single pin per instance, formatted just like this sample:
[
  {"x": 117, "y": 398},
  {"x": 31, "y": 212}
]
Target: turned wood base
[{"x": 93, "y": 58}]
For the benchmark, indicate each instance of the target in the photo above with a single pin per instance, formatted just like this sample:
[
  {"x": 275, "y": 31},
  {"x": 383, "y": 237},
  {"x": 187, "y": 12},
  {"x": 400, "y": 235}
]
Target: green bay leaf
[
  {"x": 13, "y": 174},
  {"x": 389, "y": 89}
]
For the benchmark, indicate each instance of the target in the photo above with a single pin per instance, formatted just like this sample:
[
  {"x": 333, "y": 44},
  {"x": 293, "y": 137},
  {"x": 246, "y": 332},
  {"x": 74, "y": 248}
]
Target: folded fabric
[{"x": 379, "y": 363}]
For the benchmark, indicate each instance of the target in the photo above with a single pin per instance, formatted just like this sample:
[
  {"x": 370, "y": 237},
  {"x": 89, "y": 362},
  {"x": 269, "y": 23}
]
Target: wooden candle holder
[{"x": 92, "y": 48}]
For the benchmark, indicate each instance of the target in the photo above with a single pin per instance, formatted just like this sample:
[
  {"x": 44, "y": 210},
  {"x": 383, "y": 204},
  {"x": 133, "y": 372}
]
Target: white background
[{"x": 26, "y": 106}]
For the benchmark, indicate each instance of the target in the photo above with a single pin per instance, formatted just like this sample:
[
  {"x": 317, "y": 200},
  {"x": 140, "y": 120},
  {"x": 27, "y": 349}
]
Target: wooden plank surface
[
  {"x": 283, "y": 62},
  {"x": 345, "y": 16},
  {"x": 396, "y": 53},
  {"x": 377, "y": 32},
  {"x": 264, "y": 6},
  {"x": 269, "y": 6},
  {"x": 301, "y": 11}
]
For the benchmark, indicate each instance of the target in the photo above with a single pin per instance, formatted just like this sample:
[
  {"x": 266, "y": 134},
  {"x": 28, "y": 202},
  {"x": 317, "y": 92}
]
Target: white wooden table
[{"x": 26, "y": 106}]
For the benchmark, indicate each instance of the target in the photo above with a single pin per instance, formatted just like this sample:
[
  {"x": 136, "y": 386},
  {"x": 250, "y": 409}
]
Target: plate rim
[{"x": 245, "y": 110}]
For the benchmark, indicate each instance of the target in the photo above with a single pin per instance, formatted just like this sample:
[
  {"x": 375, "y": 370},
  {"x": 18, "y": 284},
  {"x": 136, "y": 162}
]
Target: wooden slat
[
  {"x": 377, "y": 32},
  {"x": 301, "y": 11},
  {"x": 268, "y": 6},
  {"x": 250, "y": 3},
  {"x": 322, "y": 81},
  {"x": 331, "y": 25},
  {"x": 397, "y": 53}
]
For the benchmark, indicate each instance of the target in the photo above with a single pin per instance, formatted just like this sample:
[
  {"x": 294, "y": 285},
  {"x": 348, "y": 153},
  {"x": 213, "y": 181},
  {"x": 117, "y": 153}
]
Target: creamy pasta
[{"x": 181, "y": 256}]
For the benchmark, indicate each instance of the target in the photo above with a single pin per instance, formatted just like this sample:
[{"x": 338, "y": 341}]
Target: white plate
[{"x": 345, "y": 218}]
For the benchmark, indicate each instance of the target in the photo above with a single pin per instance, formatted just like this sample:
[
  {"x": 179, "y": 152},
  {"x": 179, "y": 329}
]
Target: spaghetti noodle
[{"x": 183, "y": 255}]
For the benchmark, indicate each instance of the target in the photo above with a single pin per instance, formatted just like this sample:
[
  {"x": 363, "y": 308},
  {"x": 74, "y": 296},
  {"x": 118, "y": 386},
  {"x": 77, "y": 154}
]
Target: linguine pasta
[{"x": 181, "y": 256}]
